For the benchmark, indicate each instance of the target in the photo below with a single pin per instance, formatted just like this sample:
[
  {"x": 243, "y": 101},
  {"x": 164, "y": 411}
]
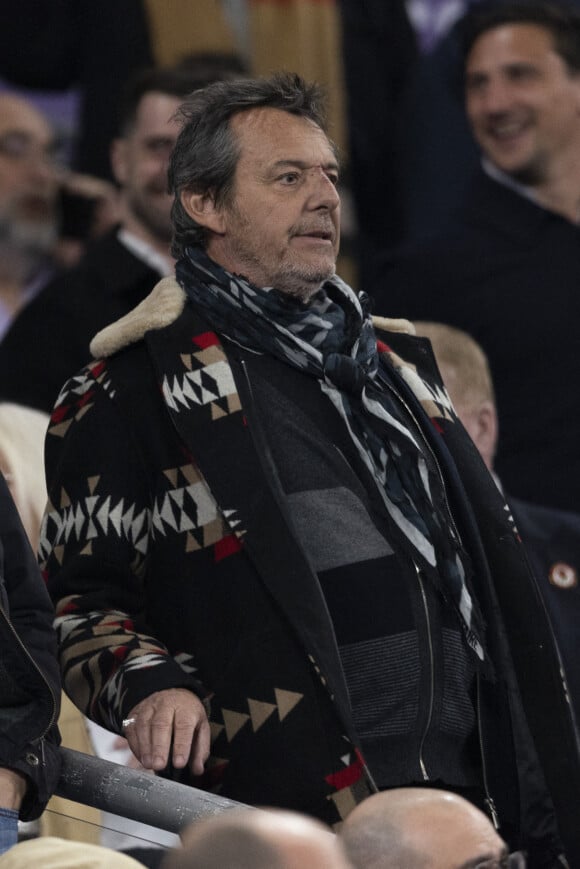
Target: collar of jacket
[{"x": 163, "y": 306}]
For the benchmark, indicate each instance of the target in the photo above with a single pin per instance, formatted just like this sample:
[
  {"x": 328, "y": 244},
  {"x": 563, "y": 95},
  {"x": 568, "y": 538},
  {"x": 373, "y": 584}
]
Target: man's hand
[{"x": 173, "y": 715}]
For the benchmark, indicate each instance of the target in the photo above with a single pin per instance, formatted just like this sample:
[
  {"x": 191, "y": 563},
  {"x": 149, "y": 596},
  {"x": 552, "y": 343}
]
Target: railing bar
[{"x": 137, "y": 795}]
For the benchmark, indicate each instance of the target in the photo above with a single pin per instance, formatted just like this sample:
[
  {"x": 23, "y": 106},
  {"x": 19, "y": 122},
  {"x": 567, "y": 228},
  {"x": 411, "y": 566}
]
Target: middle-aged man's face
[
  {"x": 28, "y": 177},
  {"x": 523, "y": 102},
  {"x": 281, "y": 227},
  {"x": 140, "y": 161}
]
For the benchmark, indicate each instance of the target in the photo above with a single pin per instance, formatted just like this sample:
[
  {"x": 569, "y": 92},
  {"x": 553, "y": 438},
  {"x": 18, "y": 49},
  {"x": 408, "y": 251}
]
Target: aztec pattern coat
[{"x": 171, "y": 564}]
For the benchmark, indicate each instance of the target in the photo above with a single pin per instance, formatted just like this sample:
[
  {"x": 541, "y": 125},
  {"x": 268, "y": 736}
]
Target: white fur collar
[
  {"x": 159, "y": 309},
  {"x": 394, "y": 324},
  {"x": 163, "y": 306}
]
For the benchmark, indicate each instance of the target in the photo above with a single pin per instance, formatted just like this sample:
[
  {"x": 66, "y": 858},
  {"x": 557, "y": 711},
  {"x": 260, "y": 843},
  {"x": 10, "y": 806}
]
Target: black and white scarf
[{"x": 332, "y": 338}]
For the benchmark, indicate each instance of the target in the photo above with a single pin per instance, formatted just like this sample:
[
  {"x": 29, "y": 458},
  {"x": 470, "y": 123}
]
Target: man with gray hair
[{"x": 272, "y": 571}]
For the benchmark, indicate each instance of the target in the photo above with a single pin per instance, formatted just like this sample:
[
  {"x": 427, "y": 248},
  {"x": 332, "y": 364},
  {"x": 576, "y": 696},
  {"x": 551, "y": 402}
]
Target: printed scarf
[{"x": 332, "y": 339}]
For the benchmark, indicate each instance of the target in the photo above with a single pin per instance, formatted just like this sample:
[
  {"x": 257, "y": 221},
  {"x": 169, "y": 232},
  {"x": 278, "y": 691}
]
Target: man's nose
[
  {"x": 496, "y": 97},
  {"x": 324, "y": 193}
]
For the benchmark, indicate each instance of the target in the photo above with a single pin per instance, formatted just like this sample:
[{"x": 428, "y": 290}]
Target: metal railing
[{"x": 134, "y": 794}]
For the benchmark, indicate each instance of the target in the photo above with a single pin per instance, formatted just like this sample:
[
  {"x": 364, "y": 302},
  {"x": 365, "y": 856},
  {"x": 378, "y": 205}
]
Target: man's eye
[
  {"x": 475, "y": 84},
  {"x": 523, "y": 73},
  {"x": 332, "y": 178},
  {"x": 160, "y": 146},
  {"x": 289, "y": 177}
]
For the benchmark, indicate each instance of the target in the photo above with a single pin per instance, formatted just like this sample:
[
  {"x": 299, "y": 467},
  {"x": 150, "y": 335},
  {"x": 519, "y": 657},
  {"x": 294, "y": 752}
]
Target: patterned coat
[{"x": 169, "y": 557}]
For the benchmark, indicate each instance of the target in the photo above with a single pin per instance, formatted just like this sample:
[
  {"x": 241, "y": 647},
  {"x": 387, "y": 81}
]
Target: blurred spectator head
[
  {"x": 522, "y": 88},
  {"x": 418, "y": 828},
  {"x": 258, "y": 839},
  {"x": 28, "y": 179},
  {"x": 147, "y": 133},
  {"x": 466, "y": 374},
  {"x": 53, "y": 853},
  {"x": 206, "y": 153},
  {"x": 22, "y": 433}
]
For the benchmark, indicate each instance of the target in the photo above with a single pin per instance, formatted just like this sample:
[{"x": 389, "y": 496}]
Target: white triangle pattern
[
  {"x": 179, "y": 510},
  {"x": 192, "y": 387}
]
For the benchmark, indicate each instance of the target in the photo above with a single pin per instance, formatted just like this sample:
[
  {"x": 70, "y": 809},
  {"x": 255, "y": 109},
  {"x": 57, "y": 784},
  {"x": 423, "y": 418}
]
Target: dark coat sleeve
[
  {"x": 30, "y": 682},
  {"x": 110, "y": 658}
]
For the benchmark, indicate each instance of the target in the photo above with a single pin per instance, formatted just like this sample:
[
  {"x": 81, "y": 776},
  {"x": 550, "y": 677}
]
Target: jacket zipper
[
  {"x": 488, "y": 800},
  {"x": 370, "y": 779},
  {"x": 424, "y": 772}
]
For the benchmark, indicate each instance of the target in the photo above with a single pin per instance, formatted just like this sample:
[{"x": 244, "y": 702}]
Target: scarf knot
[{"x": 344, "y": 373}]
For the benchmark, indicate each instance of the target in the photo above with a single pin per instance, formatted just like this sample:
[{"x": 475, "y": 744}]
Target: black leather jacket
[{"x": 29, "y": 676}]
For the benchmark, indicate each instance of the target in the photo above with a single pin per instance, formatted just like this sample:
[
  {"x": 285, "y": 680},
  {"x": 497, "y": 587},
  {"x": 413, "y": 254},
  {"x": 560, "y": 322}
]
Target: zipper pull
[
  {"x": 492, "y": 812},
  {"x": 370, "y": 779}
]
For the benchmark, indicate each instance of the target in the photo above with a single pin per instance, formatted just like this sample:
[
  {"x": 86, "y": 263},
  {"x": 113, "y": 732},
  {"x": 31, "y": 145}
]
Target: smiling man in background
[{"x": 507, "y": 269}]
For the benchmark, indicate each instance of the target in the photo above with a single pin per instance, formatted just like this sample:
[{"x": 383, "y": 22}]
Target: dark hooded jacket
[{"x": 29, "y": 676}]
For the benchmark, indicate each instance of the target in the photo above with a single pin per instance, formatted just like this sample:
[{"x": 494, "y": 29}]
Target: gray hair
[{"x": 206, "y": 153}]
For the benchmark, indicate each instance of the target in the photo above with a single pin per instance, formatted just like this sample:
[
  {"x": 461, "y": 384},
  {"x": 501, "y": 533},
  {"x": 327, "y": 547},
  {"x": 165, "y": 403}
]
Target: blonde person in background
[
  {"x": 53, "y": 853},
  {"x": 22, "y": 432}
]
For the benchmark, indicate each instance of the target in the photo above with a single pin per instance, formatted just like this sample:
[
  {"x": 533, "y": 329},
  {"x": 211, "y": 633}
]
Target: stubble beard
[
  {"x": 301, "y": 282},
  {"x": 298, "y": 280},
  {"x": 25, "y": 245}
]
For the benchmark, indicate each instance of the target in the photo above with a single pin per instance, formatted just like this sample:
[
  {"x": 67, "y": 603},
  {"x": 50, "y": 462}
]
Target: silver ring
[{"x": 127, "y": 722}]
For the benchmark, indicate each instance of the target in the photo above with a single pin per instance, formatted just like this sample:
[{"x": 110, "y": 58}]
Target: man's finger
[
  {"x": 183, "y": 736},
  {"x": 161, "y": 734},
  {"x": 186, "y": 726},
  {"x": 201, "y": 747}
]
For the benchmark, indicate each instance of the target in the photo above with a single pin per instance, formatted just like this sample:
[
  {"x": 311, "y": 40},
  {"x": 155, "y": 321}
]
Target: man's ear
[
  {"x": 487, "y": 431},
  {"x": 202, "y": 208}
]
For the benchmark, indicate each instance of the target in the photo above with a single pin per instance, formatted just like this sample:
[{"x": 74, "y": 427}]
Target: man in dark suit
[
  {"x": 49, "y": 341},
  {"x": 551, "y": 537},
  {"x": 507, "y": 270}
]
